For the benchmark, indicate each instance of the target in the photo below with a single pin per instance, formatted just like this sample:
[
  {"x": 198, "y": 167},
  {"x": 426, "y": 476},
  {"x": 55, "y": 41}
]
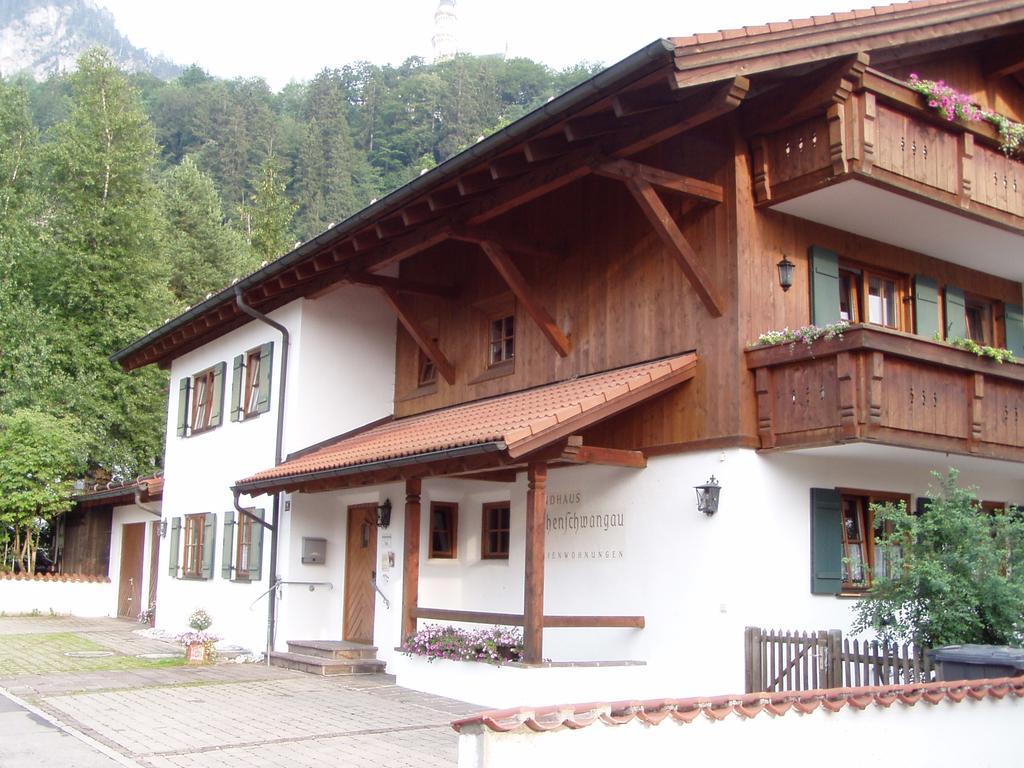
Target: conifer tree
[
  {"x": 269, "y": 217},
  {"x": 205, "y": 254}
]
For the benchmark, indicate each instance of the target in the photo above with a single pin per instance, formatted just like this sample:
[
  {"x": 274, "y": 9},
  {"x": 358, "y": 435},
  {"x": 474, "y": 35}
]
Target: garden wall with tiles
[{"x": 85, "y": 596}]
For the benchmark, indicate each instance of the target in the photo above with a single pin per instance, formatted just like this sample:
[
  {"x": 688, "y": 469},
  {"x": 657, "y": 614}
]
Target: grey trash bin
[{"x": 976, "y": 662}]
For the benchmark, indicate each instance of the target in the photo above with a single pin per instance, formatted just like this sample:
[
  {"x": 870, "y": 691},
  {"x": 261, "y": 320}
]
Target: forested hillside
[{"x": 124, "y": 199}]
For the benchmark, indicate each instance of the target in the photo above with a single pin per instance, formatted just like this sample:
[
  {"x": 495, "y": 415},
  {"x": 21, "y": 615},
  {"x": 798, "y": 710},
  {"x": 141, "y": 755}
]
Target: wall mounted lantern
[
  {"x": 786, "y": 268},
  {"x": 163, "y": 528},
  {"x": 384, "y": 514},
  {"x": 707, "y": 496}
]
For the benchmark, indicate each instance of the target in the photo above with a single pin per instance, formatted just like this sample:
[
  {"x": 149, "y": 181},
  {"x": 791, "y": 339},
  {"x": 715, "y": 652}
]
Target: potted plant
[{"x": 197, "y": 641}]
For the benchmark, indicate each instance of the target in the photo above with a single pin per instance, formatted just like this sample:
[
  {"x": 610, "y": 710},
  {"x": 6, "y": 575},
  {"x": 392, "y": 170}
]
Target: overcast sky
[{"x": 294, "y": 39}]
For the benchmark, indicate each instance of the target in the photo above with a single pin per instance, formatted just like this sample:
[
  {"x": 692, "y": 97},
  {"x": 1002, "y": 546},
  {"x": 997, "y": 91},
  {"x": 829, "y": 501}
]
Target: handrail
[
  {"x": 312, "y": 586},
  {"x": 518, "y": 620},
  {"x": 387, "y": 603}
]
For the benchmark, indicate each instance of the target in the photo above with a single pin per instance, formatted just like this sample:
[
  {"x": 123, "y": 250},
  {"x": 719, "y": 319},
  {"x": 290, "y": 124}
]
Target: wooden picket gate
[{"x": 779, "y": 660}]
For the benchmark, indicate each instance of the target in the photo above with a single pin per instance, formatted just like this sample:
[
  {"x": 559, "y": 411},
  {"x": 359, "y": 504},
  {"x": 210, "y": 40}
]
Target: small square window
[
  {"x": 444, "y": 529},
  {"x": 494, "y": 531},
  {"x": 502, "y": 339}
]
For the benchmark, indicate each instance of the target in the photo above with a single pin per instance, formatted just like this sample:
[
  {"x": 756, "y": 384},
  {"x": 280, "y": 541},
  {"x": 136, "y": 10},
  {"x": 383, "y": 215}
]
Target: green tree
[
  {"x": 956, "y": 575},
  {"x": 204, "y": 252},
  {"x": 40, "y": 456},
  {"x": 103, "y": 274},
  {"x": 268, "y": 219},
  {"x": 324, "y": 188}
]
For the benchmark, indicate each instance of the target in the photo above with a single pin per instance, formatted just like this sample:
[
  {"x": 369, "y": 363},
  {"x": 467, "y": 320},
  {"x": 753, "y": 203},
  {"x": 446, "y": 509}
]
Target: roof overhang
[{"x": 498, "y": 434}]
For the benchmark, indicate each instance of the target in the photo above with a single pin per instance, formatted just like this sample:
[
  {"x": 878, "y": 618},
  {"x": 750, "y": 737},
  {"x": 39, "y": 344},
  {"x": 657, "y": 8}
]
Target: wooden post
[
  {"x": 533, "y": 601},
  {"x": 411, "y": 561}
]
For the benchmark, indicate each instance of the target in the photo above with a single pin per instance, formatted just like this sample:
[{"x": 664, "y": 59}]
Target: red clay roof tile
[
  {"x": 746, "y": 706},
  {"x": 511, "y": 420}
]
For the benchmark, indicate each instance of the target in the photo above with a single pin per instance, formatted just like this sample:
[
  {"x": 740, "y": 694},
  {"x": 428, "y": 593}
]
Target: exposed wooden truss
[
  {"x": 503, "y": 263},
  {"x": 624, "y": 170},
  {"x": 523, "y": 174},
  {"x": 423, "y": 339},
  {"x": 571, "y": 450}
]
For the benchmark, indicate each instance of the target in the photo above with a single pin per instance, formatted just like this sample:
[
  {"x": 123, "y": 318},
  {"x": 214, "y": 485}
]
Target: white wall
[
  {"x": 340, "y": 376},
  {"x": 84, "y": 596},
  {"x": 698, "y": 581},
  {"x": 975, "y": 733}
]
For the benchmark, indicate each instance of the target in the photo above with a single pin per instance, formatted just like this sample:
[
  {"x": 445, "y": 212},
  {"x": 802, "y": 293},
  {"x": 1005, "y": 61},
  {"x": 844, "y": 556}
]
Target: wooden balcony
[
  {"x": 884, "y": 134},
  {"x": 876, "y": 385}
]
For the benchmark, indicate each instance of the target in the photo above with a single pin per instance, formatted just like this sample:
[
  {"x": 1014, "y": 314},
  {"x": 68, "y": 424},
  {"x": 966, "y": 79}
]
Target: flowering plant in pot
[{"x": 197, "y": 641}]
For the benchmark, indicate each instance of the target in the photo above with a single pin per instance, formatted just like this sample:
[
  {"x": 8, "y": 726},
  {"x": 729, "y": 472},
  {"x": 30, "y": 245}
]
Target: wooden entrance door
[
  {"x": 129, "y": 594},
  {"x": 154, "y": 569},
  {"x": 360, "y": 572}
]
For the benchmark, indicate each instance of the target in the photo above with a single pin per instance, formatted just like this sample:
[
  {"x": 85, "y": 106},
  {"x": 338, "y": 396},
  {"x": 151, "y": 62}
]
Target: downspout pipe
[
  {"x": 143, "y": 507},
  {"x": 278, "y": 456}
]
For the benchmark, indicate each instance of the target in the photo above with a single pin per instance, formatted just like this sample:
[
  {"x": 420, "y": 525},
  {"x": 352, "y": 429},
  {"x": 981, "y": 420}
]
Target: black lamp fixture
[
  {"x": 707, "y": 496},
  {"x": 384, "y": 514},
  {"x": 786, "y": 268}
]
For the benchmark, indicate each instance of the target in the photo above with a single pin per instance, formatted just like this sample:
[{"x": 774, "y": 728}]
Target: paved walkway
[{"x": 229, "y": 715}]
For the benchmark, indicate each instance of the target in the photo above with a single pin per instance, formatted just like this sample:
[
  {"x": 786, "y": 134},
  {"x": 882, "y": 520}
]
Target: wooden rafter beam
[
  {"x": 546, "y": 148},
  {"x": 646, "y": 99},
  {"x": 511, "y": 242},
  {"x": 1004, "y": 59},
  {"x": 366, "y": 239},
  {"x": 805, "y": 96},
  {"x": 517, "y": 284},
  {"x": 591, "y": 126},
  {"x": 390, "y": 227},
  {"x": 667, "y": 229},
  {"x": 401, "y": 285},
  {"x": 444, "y": 198},
  {"x": 571, "y": 450},
  {"x": 402, "y": 247},
  {"x": 416, "y": 214},
  {"x": 423, "y": 339},
  {"x": 472, "y": 183},
  {"x": 509, "y": 165},
  {"x": 623, "y": 170}
]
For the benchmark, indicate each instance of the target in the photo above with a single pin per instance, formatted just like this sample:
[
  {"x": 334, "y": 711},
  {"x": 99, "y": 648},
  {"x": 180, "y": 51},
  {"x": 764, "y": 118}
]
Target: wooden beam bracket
[{"x": 423, "y": 339}]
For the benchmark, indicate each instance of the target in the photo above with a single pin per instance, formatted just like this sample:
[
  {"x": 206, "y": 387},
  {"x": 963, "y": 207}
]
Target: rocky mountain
[{"x": 42, "y": 37}]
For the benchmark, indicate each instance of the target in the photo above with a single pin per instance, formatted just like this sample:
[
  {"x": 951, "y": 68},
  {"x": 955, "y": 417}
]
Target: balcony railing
[
  {"x": 888, "y": 387},
  {"x": 884, "y": 134}
]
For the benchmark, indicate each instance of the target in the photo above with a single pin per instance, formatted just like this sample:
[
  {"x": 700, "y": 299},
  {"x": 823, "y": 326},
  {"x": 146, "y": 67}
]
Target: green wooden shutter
[
  {"x": 266, "y": 365},
  {"x": 228, "y": 544},
  {"x": 237, "y": 374},
  {"x": 256, "y": 550},
  {"x": 824, "y": 286},
  {"x": 826, "y": 542},
  {"x": 209, "y": 531},
  {"x": 1014, "y": 316},
  {"x": 217, "y": 406},
  {"x": 956, "y": 313},
  {"x": 926, "y": 306},
  {"x": 183, "y": 392},
  {"x": 172, "y": 561}
]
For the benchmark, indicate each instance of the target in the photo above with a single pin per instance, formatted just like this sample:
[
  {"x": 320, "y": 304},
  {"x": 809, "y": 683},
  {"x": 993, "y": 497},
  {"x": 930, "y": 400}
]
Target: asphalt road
[{"x": 29, "y": 741}]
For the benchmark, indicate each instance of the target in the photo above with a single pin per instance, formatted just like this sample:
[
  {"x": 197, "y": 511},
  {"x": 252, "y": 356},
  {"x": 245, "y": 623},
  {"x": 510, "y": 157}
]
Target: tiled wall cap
[{"x": 748, "y": 706}]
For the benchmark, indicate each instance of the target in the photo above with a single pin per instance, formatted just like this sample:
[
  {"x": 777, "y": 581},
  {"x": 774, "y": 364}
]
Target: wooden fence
[{"x": 779, "y": 660}]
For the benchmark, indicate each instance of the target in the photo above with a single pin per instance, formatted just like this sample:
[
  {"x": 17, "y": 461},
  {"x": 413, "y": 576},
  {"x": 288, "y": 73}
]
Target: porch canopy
[{"x": 487, "y": 439}]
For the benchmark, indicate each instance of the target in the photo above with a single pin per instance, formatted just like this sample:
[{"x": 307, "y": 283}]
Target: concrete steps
[{"x": 328, "y": 657}]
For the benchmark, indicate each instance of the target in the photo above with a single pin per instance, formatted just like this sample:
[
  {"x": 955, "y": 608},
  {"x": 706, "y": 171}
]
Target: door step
[
  {"x": 332, "y": 649},
  {"x": 318, "y": 665}
]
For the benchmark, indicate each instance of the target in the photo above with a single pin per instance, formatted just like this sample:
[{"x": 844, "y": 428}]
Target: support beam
[
  {"x": 478, "y": 235},
  {"x": 578, "y": 453},
  {"x": 416, "y": 214},
  {"x": 472, "y": 183},
  {"x": 667, "y": 229},
  {"x": 401, "y": 285},
  {"x": 533, "y": 603},
  {"x": 509, "y": 165},
  {"x": 652, "y": 97},
  {"x": 805, "y": 97},
  {"x": 411, "y": 559},
  {"x": 624, "y": 170},
  {"x": 546, "y": 148},
  {"x": 517, "y": 283},
  {"x": 423, "y": 339}
]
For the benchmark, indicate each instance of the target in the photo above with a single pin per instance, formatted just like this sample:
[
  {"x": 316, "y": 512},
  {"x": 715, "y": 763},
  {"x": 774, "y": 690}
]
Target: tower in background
[{"x": 443, "y": 41}]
